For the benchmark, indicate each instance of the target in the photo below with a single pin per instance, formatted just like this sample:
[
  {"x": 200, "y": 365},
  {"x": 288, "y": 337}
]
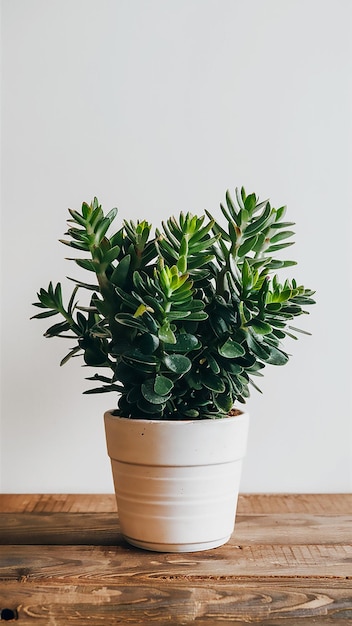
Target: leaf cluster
[{"x": 182, "y": 320}]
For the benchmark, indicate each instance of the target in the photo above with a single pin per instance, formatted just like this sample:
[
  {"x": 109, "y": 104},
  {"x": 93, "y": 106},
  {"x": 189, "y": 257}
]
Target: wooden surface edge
[{"x": 329, "y": 504}]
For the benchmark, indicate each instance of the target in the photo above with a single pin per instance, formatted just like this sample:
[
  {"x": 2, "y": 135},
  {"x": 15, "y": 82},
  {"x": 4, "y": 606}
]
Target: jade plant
[{"x": 180, "y": 320}]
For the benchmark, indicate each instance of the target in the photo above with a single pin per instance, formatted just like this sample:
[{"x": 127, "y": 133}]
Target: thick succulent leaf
[
  {"x": 146, "y": 363},
  {"x": 284, "y": 234},
  {"x": 258, "y": 224},
  {"x": 197, "y": 316},
  {"x": 120, "y": 273},
  {"x": 224, "y": 402},
  {"x": 178, "y": 315},
  {"x": 70, "y": 354},
  {"x": 177, "y": 363},
  {"x": 162, "y": 385},
  {"x": 277, "y": 357},
  {"x": 41, "y": 316},
  {"x": 151, "y": 408},
  {"x": 247, "y": 245},
  {"x": 165, "y": 333},
  {"x": 149, "y": 393},
  {"x": 213, "y": 364},
  {"x": 279, "y": 246},
  {"x": 260, "y": 327},
  {"x": 87, "y": 264},
  {"x": 104, "y": 389},
  {"x": 231, "y": 349},
  {"x": 127, "y": 319},
  {"x": 247, "y": 276},
  {"x": 148, "y": 343},
  {"x": 212, "y": 381},
  {"x": 185, "y": 342},
  {"x": 57, "y": 329},
  {"x": 258, "y": 349}
]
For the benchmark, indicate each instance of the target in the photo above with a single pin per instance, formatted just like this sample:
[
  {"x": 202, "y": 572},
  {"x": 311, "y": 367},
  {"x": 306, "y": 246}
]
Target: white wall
[{"x": 157, "y": 106}]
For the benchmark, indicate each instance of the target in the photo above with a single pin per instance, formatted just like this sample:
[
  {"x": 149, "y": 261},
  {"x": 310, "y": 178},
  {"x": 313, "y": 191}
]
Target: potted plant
[{"x": 180, "y": 321}]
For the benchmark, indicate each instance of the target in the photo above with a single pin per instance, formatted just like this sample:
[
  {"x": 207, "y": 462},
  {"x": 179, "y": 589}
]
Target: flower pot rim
[{"x": 243, "y": 415}]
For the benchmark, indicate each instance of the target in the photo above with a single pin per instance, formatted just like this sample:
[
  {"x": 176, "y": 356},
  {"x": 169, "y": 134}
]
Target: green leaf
[
  {"x": 102, "y": 229},
  {"x": 120, "y": 273},
  {"x": 280, "y": 213},
  {"x": 145, "y": 363},
  {"x": 231, "y": 349},
  {"x": 162, "y": 385},
  {"x": 78, "y": 245},
  {"x": 247, "y": 276},
  {"x": 257, "y": 348},
  {"x": 177, "y": 363},
  {"x": 282, "y": 224},
  {"x": 273, "y": 307},
  {"x": 250, "y": 203},
  {"x": 57, "y": 329},
  {"x": 41, "y": 316},
  {"x": 112, "y": 254},
  {"x": 177, "y": 315},
  {"x": 185, "y": 342},
  {"x": 213, "y": 364},
  {"x": 191, "y": 413},
  {"x": 277, "y": 357},
  {"x": 223, "y": 402},
  {"x": 236, "y": 368},
  {"x": 280, "y": 246},
  {"x": 212, "y": 381},
  {"x": 148, "y": 343},
  {"x": 165, "y": 333},
  {"x": 148, "y": 391},
  {"x": 111, "y": 215},
  {"x": 79, "y": 219},
  {"x": 104, "y": 389},
  {"x": 80, "y": 283},
  {"x": 72, "y": 353},
  {"x": 127, "y": 319},
  {"x": 259, "y": 223},
  {"x": 150, "y": 408},
  {"x": 241, "y": 196},
  {"x": 260, "y": 327},
  {"x": 197, "y": 316},
  {"x": 87, "y": 264},
  {"x": 247, "y": 245},
  {"x": 285, "y": 234},
  {"x": 232, "y": 208}
]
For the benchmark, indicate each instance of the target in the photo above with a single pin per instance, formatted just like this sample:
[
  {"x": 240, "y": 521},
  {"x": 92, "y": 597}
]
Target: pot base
[{"x": 177, "y": 547}]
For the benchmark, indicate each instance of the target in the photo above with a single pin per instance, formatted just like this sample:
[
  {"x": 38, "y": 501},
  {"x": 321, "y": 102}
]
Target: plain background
[{"x": 157, "y": 106}]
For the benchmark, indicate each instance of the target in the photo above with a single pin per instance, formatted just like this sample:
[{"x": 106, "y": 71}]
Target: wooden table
[{"x": 288, "y": 563}]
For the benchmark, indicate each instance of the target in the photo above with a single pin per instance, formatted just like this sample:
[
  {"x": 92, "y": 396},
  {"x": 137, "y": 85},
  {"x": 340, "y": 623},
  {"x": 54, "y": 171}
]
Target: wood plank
[
  {"x": 330, "y": 504},
  {"x": 288, "y": 563},
  {"x": 104, "y": 529},
  {"x": 58, "y": 503},
  {"x": 106, "y": 564},
  {"x": 272, "y": 603},
  {"x": 60, "y": 528}
]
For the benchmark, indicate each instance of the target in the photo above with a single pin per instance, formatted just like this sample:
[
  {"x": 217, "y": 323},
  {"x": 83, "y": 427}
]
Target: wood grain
[
  {"x": 332, "y": 504},
  {"x": 100, "y": 563},
  {"x": 288, "y": 563},
  {"x": 104, "y": 529},
  {"x": 211, "y": 602}
]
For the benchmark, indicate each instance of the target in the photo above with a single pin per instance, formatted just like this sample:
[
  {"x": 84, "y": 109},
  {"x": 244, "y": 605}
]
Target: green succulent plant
[{"x": 181, "y": 320}]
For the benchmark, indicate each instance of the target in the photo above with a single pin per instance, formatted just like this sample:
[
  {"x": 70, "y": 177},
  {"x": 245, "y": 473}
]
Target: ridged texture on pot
[{"x": 176, "y": 483}]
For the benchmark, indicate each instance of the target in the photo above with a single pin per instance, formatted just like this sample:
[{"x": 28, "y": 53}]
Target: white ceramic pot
[{"x": 176, "y": 483}]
